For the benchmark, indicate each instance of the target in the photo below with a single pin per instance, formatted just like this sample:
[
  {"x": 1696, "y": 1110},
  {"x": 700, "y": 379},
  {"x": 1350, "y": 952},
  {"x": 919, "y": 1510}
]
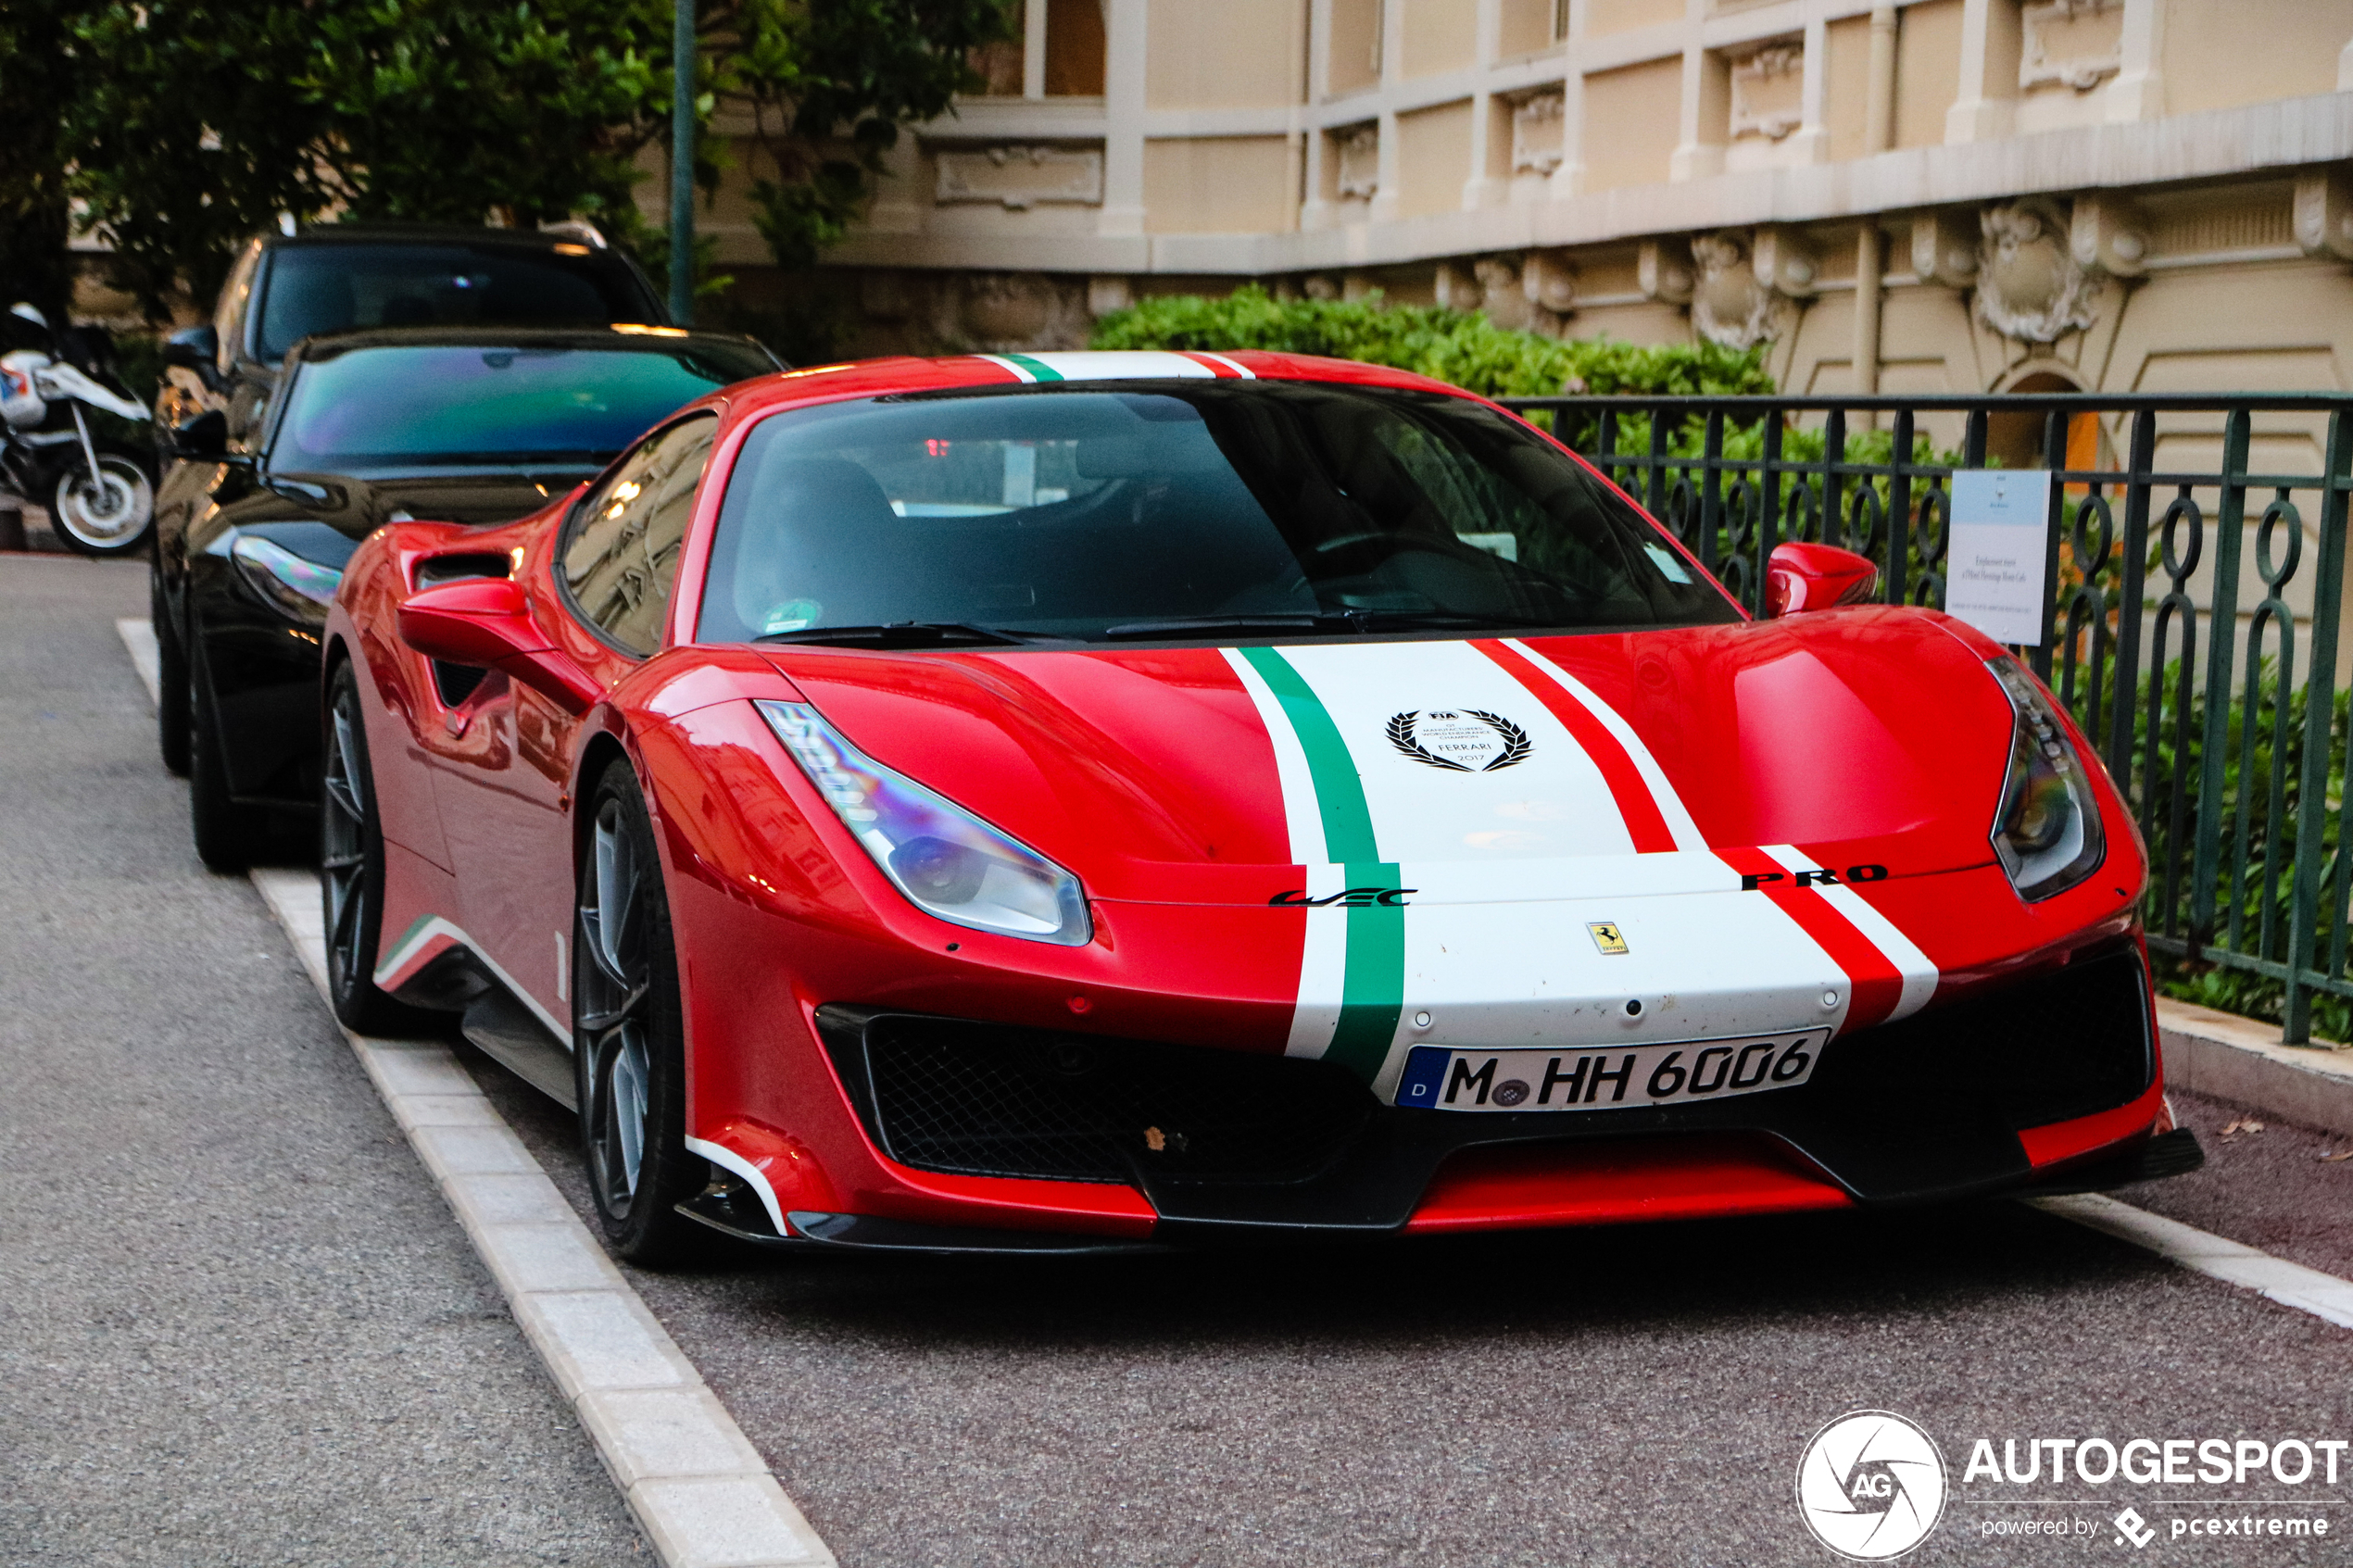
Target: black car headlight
[
  {"x": 300, "y": 589},
  {"x": 2047, "y": 832}
]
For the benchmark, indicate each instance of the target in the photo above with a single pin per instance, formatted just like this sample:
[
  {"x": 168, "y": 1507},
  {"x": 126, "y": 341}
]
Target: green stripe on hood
[{"x": 1373, "y": 983}]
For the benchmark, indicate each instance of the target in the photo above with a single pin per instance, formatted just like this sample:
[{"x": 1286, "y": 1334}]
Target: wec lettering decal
[
  {"x": 1349, "y": 899},
  {"x": 1825, "y": 878}
]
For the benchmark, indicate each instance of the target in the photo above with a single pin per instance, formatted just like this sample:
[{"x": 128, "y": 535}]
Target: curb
[
  {"x": 2241, "y": 1060},
  {"x": 698, "y": 1490},
  {"x": 695, "y": 1483}
]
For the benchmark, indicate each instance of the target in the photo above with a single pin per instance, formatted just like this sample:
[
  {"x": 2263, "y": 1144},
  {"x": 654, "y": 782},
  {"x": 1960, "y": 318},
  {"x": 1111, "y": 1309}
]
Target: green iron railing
[{"x": 2215, "y": 701}]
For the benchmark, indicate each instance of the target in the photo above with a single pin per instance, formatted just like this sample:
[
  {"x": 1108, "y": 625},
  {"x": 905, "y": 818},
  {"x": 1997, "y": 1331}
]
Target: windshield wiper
[
  {"x": 1217, "y": 625},
  {"x": 897, "y": 634},
  {"x": 1345, "y": 622}
]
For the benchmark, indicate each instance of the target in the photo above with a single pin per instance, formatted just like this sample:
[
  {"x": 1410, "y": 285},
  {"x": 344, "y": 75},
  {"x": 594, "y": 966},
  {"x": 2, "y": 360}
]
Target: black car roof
[
  {"x": 426, "y": 235},
  {"x": 651, "y": 339}
]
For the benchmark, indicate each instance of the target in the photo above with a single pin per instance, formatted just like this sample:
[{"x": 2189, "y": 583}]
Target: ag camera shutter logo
[{"x": 1870, "y": 1486}]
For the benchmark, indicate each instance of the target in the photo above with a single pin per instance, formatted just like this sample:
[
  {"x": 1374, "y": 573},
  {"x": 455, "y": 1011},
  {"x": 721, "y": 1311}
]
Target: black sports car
[{"x": 455, "y": 424}]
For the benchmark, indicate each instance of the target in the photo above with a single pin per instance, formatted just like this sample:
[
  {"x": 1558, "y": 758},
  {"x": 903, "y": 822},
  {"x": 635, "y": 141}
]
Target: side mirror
[
  {"x": 204, "y": 439},
  {"x": 1800, "y": 576},
  {"x": 197, "y": 349},
  {"x": 483, "y": 622}
]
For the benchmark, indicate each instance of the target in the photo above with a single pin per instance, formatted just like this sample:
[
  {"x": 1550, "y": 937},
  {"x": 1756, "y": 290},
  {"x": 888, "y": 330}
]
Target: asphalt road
[
  {"x": 1621, "y": 1396},
  {"x": 237, "y": 1323}
]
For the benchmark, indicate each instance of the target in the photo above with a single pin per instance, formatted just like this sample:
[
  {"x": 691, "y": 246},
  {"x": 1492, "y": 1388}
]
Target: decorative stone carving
[
  {"x": 2077, "y": 44},
  {"x": 1320, "y": 287},
  {"x": 2108, "y": 234},
  {"x": 2029, "y": 284},
  {"x": 1769, "y": 91},
  {"x": 1538, "y": 124},
  {"x": 1728, "y": 305},
  {"x": 1105, "y": 295},
  {"x": 2324, "y": 214},
  {"x": 1785, "y": 262},
  {"x": 1549, "y": 281},
  {"x": 1455, "y": 290},
  {"x": 1663, "y": 271},
  {"x": 1945, "y": 249},
  {"x": 1359, "y": 150},
  {"x": 1020, "y": 177},
  {"x": 1010, "y": 310}
]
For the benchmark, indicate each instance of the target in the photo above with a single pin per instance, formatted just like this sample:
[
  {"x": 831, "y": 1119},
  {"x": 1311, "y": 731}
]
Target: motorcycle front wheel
[{"x": 107, "y": 514}]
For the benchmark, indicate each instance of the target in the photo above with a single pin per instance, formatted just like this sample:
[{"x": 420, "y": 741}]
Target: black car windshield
[
  {"x": 1166, "y": 511},
  {"x": 314, "y": 289},
  {"x": 437, "y": 405}
]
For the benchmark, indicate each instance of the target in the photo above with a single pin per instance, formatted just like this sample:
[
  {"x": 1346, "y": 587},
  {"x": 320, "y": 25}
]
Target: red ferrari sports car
[{"x": 1073, "y": 801}]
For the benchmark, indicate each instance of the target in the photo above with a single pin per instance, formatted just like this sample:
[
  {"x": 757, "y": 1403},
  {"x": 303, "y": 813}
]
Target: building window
[{"x": 1074, "y": 49}]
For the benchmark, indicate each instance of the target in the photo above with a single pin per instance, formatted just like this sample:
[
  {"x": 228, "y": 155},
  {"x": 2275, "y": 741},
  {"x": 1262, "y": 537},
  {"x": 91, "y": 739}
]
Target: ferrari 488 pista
[{"x": 1072, "y": 801}]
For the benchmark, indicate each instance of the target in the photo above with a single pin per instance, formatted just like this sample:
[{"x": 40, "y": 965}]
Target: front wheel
[
  {"x": 628, "y": 1038},
  {"x": 351, "y": 870},
  {"x": 107, "y": 513}
]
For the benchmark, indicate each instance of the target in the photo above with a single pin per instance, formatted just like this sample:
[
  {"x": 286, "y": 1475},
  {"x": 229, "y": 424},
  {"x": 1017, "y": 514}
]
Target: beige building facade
[{"x": 1943, "y": 195}]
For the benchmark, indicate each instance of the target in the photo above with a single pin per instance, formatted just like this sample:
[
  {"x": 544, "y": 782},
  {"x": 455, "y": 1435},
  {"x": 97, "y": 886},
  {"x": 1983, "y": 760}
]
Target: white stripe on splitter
[
  {"x": 1323, "y": 962},
  {"x": 1919, "y": 973},
  {"x": 1680, "y": 825}
]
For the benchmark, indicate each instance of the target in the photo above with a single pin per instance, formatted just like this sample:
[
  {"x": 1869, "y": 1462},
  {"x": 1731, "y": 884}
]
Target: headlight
[
  {"x": 2047, "y": 832},
  {"x": 303, "y": 589},
  {"x": 946, "y": 860}
]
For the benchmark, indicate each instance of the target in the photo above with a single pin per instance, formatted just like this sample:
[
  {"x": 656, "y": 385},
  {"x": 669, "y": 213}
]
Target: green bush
[{"x": 1467, "y": 350}]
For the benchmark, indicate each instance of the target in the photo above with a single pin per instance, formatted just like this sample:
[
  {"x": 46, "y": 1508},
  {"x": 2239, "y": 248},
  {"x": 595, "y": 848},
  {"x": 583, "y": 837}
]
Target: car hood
[{"x": 1865, "y": 737}]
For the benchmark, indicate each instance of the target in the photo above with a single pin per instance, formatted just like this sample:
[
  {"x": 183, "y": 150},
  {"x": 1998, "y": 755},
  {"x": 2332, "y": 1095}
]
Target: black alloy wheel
[
  {"x": 628, "y": 1039},
  {"x": 228, "y": 834},
  {"x": 351, "y": 867}
]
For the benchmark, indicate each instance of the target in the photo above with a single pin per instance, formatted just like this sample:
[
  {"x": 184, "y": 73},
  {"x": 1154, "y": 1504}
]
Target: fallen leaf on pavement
[
  {"x": 2340, "y": 1154},
  {"x": 2244, "y": 1124}
]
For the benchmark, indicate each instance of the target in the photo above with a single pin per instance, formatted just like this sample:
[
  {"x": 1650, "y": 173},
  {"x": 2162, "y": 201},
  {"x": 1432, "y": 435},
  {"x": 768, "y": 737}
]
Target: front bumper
[{"x": 2052, "y": 1081}]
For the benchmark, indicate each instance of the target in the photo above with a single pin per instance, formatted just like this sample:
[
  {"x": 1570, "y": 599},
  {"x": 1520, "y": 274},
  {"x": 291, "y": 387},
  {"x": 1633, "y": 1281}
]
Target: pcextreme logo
[{"x": 1870, "y": 1486}]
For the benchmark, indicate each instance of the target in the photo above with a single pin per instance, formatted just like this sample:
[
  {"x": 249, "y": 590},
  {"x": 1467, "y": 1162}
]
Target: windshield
[
  {"x": 1168, "y": 510},
  {"x": 314, "y": 289},
  {"x": 387, "y": 407}
]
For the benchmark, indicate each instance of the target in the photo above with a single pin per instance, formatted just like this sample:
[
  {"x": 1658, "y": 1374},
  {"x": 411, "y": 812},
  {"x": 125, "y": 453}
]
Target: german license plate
[{"x": 1596, "y": 1078}]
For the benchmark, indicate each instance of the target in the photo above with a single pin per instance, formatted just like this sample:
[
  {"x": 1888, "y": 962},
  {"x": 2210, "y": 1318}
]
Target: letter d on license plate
[{"x": 1598, "y": 1077}]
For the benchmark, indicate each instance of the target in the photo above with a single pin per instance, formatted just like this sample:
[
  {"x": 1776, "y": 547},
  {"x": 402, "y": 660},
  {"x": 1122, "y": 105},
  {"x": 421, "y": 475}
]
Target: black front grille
[
  {"x": 983, "y": 1100},
  {"x": 2047, "y": 1049}
]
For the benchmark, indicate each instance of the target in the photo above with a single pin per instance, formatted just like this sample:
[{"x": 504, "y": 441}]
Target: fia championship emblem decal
[{"x": 1463, "y": 740}]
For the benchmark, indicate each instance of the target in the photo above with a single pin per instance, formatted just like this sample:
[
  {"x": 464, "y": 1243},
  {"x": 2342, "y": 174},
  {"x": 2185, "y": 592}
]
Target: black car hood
[{"x": 357, "y": 507}]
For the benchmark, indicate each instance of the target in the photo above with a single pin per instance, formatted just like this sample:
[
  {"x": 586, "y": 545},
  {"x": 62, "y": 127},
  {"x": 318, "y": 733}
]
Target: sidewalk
[{"x": 2228, "y": 1058}]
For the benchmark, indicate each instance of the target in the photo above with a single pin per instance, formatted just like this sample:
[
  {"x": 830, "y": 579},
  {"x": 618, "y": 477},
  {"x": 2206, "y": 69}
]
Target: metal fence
[{"x": 2217, "y": 703}]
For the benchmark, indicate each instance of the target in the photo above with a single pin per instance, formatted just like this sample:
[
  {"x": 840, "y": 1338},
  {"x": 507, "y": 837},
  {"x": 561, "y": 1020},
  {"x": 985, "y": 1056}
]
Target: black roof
[
  {"x": 650, "y": 339},
  {"x": 431, "y": 233}
]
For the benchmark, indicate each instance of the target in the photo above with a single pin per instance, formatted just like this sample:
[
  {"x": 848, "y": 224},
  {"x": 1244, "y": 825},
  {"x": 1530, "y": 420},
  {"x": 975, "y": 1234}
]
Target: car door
[{"x": 501, "y": 785}]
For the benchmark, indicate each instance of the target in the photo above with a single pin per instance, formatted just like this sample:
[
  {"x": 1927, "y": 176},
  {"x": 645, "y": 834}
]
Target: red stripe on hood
[
  {"x": 1645, "y": 824},
  {"x": 1877, "y": 984}
]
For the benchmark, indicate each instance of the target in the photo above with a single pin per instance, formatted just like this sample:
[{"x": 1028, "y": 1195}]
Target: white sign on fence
[{"x": 1997, "y": 550}]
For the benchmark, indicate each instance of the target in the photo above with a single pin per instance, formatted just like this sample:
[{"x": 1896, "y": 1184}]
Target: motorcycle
[{"x": 100, "y": 494}]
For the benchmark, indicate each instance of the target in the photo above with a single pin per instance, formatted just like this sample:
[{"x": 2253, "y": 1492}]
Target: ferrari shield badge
[
  {"x": 1607, "y": 937},
  {"x": 1462, "y": 740}
]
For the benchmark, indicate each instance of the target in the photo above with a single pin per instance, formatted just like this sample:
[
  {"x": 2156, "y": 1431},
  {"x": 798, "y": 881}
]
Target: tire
[
  {"x": 172, "y": 699},
  {"x": 351, "y": 871},
  {"x": 227, "y": 833},
  {"x": 628, "y": 1039},
  {"x": 109, "y": 517}
]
